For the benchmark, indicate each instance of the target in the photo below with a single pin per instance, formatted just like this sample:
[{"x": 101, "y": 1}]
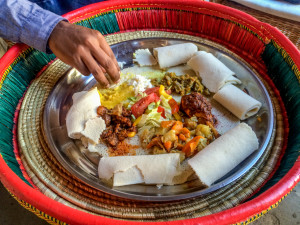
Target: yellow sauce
[{"x": 112, "y": 97}]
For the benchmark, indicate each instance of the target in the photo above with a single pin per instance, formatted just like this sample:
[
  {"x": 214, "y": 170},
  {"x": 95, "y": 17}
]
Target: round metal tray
[{"x": 84, "y": 166}]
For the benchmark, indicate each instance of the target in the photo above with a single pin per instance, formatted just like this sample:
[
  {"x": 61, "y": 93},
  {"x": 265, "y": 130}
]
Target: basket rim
[{"x": 62, "y": 212}]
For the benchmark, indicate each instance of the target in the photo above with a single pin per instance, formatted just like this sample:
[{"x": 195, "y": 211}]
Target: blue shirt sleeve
[{"x": 26, "y": 22}]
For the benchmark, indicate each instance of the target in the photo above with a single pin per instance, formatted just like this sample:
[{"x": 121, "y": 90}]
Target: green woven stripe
[
  {"x": 281, "y": 72},
  {"x": 24, "y": 70},
  {"x": 17, "y": 80},
  {"x": 105, "y": 23}
]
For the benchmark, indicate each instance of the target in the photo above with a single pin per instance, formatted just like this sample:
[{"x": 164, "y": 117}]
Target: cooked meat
[
  {"x": 132, "y": 129},
  {"x": 107, "y": 119},
  {"x": 196, "y": 105},
  {"x": 126, "y": 112},
  {"x": 124, "y": 121},
  {"x": 102, "y": 110},
  {"x": 118, "y": 124},
  {"x": 112, "y": 140},
  {"x": 122, "y": 134},
  {"x": 109, "y": 136},
  {"x": 107, "y": 132}
]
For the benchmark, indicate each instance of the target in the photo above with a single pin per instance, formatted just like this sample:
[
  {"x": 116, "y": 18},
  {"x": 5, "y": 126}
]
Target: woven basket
[{"x": 261, "y": 46}]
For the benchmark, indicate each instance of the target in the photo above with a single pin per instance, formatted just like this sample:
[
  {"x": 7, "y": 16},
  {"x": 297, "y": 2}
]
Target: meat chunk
[
  {"x": 122, "y": 134},
  {"x": 118, "y": 125},
  {"x": 107, "y": 132},
  {"x": 126, "y": 112},
  {"x": 107, "y": 119},
  {"x": 112, "y": 140},
  {"x": 102, "y": 110},
  {"x": 196, "y": 105},
  {"x": 132, "y": 129},
  {"x": 124, "y": 121},
  {"x": 110, "y": 137}
]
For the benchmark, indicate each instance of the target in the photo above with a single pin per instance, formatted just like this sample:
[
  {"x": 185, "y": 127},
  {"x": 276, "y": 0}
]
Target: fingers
[
  {"x": 106, "y": 48},
  {"x": 96, "y": 70},
  {"x": 107, "y": 63},
  {"x": 80, "y": 66}
]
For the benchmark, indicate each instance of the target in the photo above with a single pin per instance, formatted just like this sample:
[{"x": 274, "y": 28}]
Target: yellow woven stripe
[
  {"x": 288, "y": 60},
  {"x": 9, "y": 68},
  {"x": 40, "y": 214},
  {"x": 257, "y": 216}
]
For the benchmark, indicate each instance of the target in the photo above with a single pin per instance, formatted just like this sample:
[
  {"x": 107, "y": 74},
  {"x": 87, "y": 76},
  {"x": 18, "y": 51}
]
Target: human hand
[{"x": 86, "y": 50}]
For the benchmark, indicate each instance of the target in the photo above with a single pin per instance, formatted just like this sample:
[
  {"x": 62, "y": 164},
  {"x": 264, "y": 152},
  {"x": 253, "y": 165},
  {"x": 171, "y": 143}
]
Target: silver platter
[{"x": 84, "y": 166}]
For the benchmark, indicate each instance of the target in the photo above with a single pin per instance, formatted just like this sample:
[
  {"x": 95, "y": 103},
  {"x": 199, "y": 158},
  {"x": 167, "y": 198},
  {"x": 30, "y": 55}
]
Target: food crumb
[
  {"x": 122, "y": 149},
  {"x": 159, "y": 186}
]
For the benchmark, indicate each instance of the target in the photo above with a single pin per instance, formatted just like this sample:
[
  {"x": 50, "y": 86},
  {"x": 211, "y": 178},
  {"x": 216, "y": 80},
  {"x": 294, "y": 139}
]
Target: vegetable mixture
[{"x": 162, "y": 124}]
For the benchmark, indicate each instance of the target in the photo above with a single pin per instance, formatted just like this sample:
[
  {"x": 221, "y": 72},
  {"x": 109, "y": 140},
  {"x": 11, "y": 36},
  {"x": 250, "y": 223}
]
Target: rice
[{"x": 140, "y": 83}]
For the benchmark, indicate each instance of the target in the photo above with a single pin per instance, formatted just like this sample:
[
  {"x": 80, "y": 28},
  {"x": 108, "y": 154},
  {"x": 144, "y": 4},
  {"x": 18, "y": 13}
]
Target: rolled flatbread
[
  {"x": 225, "y": 153},
  {"x": 237, "y": 101},
  {"x": 84, "y": 107},
  {"x": 149, "y": 169},
  {"x": 174, "y": 55},
  {"x": 213, "y": 72}
]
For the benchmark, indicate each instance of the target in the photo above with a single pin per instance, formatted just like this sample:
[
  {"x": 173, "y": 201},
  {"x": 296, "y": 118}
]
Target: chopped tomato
[
  {"x": 140, "y": 106},
  {"x": 155, "y": 90},
  {"x": 162, "y": 111},
  {"x": 174, "y": 106},
  {"x": 152, "y": 90}
]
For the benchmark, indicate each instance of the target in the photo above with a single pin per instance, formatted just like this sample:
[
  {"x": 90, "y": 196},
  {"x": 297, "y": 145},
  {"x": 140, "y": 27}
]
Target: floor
[{"x": 287, "y": 213}]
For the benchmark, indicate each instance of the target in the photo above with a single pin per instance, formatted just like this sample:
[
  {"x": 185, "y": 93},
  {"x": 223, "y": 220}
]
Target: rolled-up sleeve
[{"x": 26, "y": 22}]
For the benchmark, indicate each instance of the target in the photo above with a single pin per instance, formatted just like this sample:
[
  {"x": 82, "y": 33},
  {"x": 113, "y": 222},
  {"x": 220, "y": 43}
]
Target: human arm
[
  {"x": 82, "y": 48},
  {"x": 26, "y": 22}
]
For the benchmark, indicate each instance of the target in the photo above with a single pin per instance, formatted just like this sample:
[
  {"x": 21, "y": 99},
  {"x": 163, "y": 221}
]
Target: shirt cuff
[{"x": 40, "y": 24}]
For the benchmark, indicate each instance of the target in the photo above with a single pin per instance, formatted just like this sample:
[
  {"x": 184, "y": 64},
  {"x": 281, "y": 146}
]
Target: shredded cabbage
[
  {"x": 167, "y": 107},
  {"x": 132, "y": 100},
  {"x": 164, "y": 102}
]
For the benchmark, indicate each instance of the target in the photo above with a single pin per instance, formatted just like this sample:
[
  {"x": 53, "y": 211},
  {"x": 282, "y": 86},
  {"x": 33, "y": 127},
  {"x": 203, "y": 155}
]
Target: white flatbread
[
  {"x": 93, "y": 129},
  {"x": 174, "y": 55},
  {"x": 131, "y": 176},
  {"x": 84, "y": 107},
  {"x": 100, "y": 148},
  {"x": 213, "y": 72},
  {"x": 144, "y": 57},
  {"x": 155, "y": 169},
  {"x": 223, "y": 154},
  {"x": 181, "y": 70},
  {"x": 237, "y": 102}
]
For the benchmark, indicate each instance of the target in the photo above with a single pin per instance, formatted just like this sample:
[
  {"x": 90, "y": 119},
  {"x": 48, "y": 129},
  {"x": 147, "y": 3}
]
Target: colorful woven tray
[{"x": 31, "y": 173}]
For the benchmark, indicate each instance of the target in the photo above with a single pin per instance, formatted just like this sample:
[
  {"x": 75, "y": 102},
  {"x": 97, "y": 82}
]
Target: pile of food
[{"x": 162, "y": 130}]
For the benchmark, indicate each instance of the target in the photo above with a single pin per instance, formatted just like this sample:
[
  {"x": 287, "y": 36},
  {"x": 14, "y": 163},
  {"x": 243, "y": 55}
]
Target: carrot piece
[
  {"x": 180, "y": 146},
  {"x": 168, "y": 145},
  {"x": 190, "y": 147},
  {"x": 185, "y": 132},
  {"x": 177, "y": 127},
  {"x": 153, "y": 142},
  {"x": 166, "y": 124},
  {"x": 182, "y": 137}
]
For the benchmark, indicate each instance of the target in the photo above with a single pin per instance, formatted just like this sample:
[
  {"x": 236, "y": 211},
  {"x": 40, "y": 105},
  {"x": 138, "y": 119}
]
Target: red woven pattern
[
  {"x": 229, "y": 27},
  {"x": 216, "y": 29}
]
